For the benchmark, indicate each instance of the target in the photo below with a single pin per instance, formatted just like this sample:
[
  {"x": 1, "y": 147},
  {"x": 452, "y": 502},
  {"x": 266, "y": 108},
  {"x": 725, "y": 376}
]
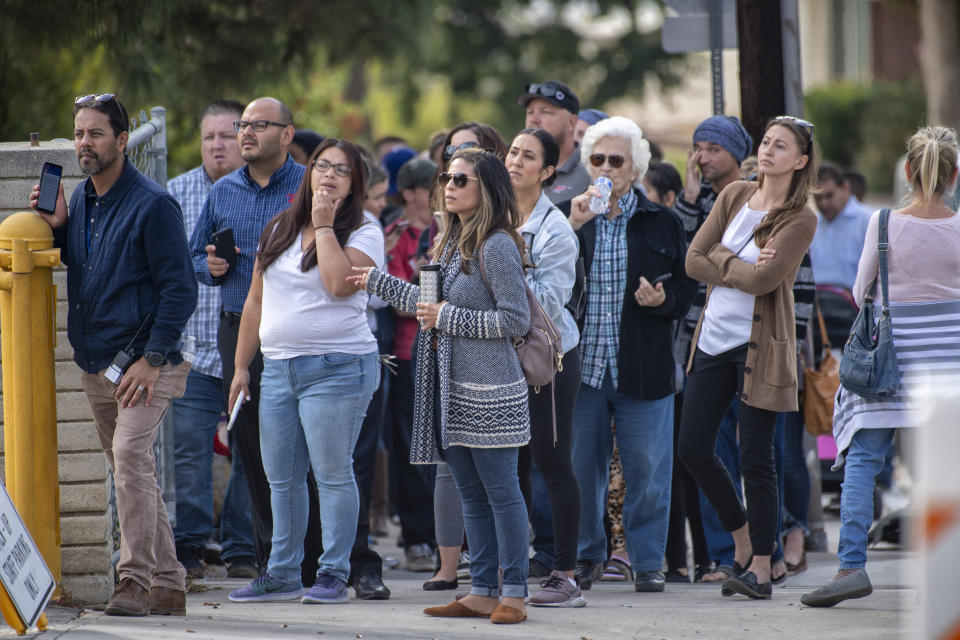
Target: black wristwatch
[{"x": 154, "y": 358}]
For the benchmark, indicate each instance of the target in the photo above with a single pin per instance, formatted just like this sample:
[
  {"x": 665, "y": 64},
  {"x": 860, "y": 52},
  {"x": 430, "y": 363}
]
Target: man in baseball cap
[{"x": 553, "y": 107}]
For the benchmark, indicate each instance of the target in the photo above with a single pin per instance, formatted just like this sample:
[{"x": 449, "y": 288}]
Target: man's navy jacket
[{"x": 126, "y": 256}]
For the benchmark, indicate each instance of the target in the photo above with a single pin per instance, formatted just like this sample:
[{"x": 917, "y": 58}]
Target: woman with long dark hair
[
  {"x": 470, "y": 408},
  {"x": 553, "y": 249},
  {"x": 748, "y": 252},
  {"x": 320, "y": 360}
]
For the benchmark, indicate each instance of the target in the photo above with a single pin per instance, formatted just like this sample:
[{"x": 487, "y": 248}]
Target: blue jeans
[
  {"x": 195, "y": 417},
  {"x": 865, "y": 459},
  {"x": 796, "y": 477},
  {"x": 645, "y": 440},
  {"x": 541, "y": 518},
  {"x": 494, "y": 516},
  {"x": 311, "y": 410}
]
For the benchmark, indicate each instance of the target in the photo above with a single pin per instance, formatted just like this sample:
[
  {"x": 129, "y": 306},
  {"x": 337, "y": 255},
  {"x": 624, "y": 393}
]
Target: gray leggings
[{"x": 447, "y": 511}]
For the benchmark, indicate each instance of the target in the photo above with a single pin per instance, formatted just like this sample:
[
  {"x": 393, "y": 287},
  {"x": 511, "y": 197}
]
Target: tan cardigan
[{"x": 770, "y": 373}]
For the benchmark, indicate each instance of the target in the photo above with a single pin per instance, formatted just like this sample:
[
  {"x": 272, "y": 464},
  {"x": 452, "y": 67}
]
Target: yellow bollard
[{"x": 27, "y": 323}]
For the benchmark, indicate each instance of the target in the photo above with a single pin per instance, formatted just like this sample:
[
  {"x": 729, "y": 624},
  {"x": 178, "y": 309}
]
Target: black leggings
[
  {"x": 684, "y": 505},
  {"x": 712, "y": 385},
  {"x": 554, "y": 461}
]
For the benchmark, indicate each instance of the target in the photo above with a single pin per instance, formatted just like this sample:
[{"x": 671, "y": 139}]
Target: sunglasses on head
[
  {"x": 90, "y": 98},
  {"x": 597, "y": 160},
  {"x": 800, "y": 122},
  {"x": 452, "y": 149},
  {"x": 546, "y": 89},
  {"x": 459, "y": 179}
]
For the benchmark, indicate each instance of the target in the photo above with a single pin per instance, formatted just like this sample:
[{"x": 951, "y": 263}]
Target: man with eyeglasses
[
  {"x": 245, "y": 201},
  {"x": 196, "y": 415},
  {"x": 130, "y": 292},
  {"x": 553, "y": 107}
]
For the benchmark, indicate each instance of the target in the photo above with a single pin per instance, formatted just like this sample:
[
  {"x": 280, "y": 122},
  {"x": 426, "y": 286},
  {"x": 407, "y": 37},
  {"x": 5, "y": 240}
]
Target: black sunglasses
[
  {"x": 547, "y": 90},
  {"x": 452, "y": 149},
  {"x": 257, "y": 125},
  {"x": 90, "y": 98},
  {"x": 597, "y": 160},
  {"x": 459, "y": 179}
]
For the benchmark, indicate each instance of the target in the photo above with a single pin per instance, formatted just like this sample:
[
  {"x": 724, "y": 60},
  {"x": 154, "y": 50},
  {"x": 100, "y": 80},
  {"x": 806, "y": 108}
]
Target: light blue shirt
[
  {"x": 190, "y": 189},
  {"x": 837, "y": 245},
  {"x": 553, "y": 249}
]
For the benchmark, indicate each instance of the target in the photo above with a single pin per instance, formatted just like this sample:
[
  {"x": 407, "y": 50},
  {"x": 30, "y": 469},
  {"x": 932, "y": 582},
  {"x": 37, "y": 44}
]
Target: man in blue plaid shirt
[{"x": 196, "y": 415}]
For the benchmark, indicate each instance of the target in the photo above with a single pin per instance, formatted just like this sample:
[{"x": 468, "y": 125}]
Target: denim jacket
[{"x": 553, "y": 248}]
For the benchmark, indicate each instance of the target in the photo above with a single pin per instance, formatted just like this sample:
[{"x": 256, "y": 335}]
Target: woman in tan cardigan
[{"x": 748, "y": 252}]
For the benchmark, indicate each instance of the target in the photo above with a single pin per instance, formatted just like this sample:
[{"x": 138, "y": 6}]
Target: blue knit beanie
[{"x": 727, "y": 132}]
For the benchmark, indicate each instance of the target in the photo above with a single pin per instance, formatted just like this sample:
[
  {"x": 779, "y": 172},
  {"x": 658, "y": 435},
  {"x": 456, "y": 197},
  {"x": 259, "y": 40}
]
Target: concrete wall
[{"x": 85, "y": 522}]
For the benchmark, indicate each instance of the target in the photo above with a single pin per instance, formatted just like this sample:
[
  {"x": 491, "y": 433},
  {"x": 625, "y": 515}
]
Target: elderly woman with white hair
[{"x": 634, "y": 258}]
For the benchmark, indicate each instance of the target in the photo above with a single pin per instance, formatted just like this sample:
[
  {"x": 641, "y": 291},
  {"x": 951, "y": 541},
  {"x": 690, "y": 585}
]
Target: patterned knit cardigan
[{"x": 483, "y": 393}]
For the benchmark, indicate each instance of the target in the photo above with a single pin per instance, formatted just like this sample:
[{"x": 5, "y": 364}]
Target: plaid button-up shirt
[
  {"x": 190, "y": 189},
  {"x": 600, "y": 339}
]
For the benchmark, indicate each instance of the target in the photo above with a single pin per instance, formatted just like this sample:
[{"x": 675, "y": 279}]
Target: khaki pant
[{"x": 147, "y": 552}]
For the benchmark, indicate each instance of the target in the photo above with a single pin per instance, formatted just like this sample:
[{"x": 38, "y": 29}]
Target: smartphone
[
  {"x": 226, "y": 248},
  {"x": 662, "y": 278},
  {"x": 49, "y": 187}
]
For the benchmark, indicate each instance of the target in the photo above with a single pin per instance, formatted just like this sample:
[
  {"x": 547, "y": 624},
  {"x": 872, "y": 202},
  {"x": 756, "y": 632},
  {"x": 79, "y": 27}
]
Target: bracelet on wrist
[{"x": 322, "y": 226}]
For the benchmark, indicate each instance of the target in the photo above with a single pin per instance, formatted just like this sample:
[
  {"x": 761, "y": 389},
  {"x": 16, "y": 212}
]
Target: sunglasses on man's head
[
  {"x": 257, "y": 125},
  {"x": 452, "y": 149},
  {"x": 90, "y": 98},
  {"x": 546, "y": 89},
  {"x": 597, "y": 160},
  {"x": 459, "y": 179}
]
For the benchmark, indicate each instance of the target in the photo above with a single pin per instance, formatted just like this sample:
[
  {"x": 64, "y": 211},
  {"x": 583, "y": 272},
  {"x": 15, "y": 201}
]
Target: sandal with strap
[{"x": 618, "y": 569}]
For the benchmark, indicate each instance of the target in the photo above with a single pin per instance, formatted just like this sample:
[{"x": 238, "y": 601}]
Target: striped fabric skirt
[{"x": 926, "y": 336}]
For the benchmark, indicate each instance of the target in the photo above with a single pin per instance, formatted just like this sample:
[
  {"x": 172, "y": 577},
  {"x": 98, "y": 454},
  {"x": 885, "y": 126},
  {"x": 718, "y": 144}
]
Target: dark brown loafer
[
  {"x": 167, "y": 602},
  {"x": 129, "y": 599}
]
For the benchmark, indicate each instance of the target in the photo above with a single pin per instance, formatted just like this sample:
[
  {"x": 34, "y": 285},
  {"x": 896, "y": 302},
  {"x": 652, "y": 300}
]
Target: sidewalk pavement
[{"x": 613, "y": 611}]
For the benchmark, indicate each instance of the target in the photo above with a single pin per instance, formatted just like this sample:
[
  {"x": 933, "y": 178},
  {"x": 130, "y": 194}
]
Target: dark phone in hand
[
  {"x": 659, "y": 279},
  {"x": 225, "y": 247},
  {"x": 49, "y": 187}
]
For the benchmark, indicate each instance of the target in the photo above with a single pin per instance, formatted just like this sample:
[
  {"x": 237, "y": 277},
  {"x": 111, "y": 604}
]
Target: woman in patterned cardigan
[{"x": 470, "y": 408}]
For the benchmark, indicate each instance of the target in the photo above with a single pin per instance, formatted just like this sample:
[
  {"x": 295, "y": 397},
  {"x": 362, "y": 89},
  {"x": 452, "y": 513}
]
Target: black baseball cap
[{"x": 552, "y": 91}]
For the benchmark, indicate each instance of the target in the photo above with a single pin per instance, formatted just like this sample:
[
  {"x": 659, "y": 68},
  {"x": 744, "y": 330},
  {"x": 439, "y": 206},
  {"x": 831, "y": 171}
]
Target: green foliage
[
  {"x": 357, "y": 68},
  {"x": 866, "y": 126}
]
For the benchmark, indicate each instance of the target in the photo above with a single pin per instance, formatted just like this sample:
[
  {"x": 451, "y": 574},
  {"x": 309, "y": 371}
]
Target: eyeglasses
[
  {"x": 597, "y": 160},
  {"x": 90, "y": 98},
  {"x": 800, "y": 122},
  {"x": 342, "y": 170},
  {"x": 452, "y": 149},
  {"x": 257, "y": 125},
  {"x": 546, "y": 89},
  {"x": 459, "y": 179}
]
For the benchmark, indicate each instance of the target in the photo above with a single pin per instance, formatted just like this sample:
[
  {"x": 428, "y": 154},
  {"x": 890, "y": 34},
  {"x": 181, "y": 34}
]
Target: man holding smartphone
[{"x": 118, "y": 217}]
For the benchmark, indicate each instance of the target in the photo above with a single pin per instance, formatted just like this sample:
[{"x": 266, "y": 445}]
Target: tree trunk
[
  {"x": 761, "y": 64},
  {"x": 940, "y": 25}
]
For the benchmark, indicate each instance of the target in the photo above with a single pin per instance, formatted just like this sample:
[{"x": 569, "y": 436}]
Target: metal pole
[
  {"x": 716, "y": 54},
  {"x": 792, "y": 78},
  {"x": 159, "y": 148}
]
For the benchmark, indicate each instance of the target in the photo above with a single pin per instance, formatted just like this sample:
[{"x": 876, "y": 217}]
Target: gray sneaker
[
  {"x": 268, "y": 588},
  {"x": 419, "y": 558},
  {"x": 855, "y": 585},
  {"x": 557, "y": 591}
]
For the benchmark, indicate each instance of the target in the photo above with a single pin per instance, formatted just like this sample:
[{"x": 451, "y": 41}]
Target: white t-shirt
[
  {"x": 299, "y": 317},
  {"x": 728, "y": 318}
]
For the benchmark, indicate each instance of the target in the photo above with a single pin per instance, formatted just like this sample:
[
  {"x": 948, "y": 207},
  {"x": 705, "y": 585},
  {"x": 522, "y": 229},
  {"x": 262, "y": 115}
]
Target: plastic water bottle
[{"x": 599, "y": 206}]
